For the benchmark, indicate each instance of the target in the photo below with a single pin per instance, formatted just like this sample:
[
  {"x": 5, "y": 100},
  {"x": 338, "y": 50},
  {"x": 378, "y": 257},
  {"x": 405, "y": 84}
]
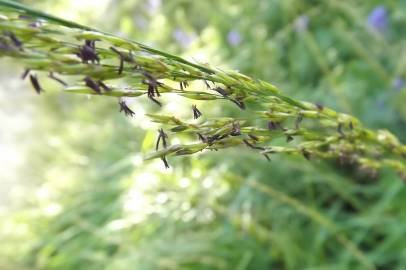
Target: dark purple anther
[
  {"x": 88, "y": 52},
  {"x": 124, "y": 108},
  {"x": 272, "y": 125},
  {"x": 104, "y": 86},
  {"x": 319, "y": 107},
  {"x": 183, "y": 85},
  {"x": 121, "y": 56},
  {"x": 221, "y": 91},
  {"x": 239, "y": 103},
  {"x": 207, "y": 84},
  {"x": 92, "y": 84},
  {"x": 165, "y": 162},
  {"x": 25, "y": 74},
  {"x": 250, "y": 145},
  {"x": 17, "y": 43},
  {"x": 161, "y": 135},
  {"x": 201, "y": 137},
  {"x": 196, "y": 112},
  {"x": 35, "y": 84},
  {"x": 52, "y": 76},
  {"x": 236, "y": 131},
  {"x": 153, "y": 85}
]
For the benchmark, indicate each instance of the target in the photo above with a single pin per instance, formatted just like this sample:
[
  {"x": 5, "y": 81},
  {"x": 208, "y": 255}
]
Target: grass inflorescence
[{"x": 43, "y": 43}]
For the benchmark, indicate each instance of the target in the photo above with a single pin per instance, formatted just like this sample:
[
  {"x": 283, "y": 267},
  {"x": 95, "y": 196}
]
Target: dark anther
[
  {"x": 267, "y": 157},
  {"x": 201, "y": 137},
  {"x": 221, "y": 91},
  {"x": 236, "y": 131},
  {"x": 91, "y": 44},
  {"x": 196, "y": 112},
  {"x": 152, "y": 90},
  {"x": 165, "y": 162},
  {"x": 289, "y": 138},
  {"x": 211, "y": 139},
  {"x": 88, "y": 52},
  {"x": 162, "y": 135},
  {"x": 272, "y": 125},
  {"x": 340, "y": 129},
  {"x": 183, "y": 85},
  {"x": 306, "y": 154},
  {"x": 104, "y": 86},
  {"x": 239, "y": 103},
  {"x": 14, "y": 39},
  {"x": 25, "y": 17},
  {"x": 153, "y": 85},
  {"x": 207, "y": 84},
  {"x": 222, "y": 137},
  {"x": 92, "y": 84},
  {"x": 247, "y": 143},
  {"x": 124, "y": 108},
  {"x": 121, "y": 67},
  {"x": 155, "y": 101},
  {"x": 351, "y": 125},
  {"x": 319, "y": 107},
  {"x": 255, "y": 138},
  {"x": 25, "y": 74},
  {"x": 35, "y": 24},
  {"x": 35, "y": 84},
  {"x": 299, "y": 120},
  {"x": 52, "y": 76}
]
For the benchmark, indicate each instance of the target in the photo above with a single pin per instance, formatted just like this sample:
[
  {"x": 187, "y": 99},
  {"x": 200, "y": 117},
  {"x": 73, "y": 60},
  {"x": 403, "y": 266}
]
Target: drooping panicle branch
[{"x": 272, "y": 122}]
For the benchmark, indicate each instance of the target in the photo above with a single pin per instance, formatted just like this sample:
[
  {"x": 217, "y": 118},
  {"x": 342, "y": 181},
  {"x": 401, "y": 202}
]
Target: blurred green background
[{"x": 75, "y": 192}]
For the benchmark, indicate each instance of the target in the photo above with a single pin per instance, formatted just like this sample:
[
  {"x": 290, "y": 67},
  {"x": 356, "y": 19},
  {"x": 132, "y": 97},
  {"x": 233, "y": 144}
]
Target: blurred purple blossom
[
  {"x": 398, "y": 84},
  {"x": 140, "y": 22},
  {"x": 153, "y": 5},
  {"x": 234, "y": 38},
  {"x": 301, "y": 24},
  {"x": 378, "y": 19},
  {"x": 182, "y": 38}
]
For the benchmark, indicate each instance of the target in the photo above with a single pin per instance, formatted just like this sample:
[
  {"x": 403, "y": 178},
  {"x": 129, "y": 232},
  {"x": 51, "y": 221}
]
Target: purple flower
[
  {"x": 153, "y": 6},
  {"x": 182, "y": 38},
  {"x": 301, "y": 24},
  {"x": 140, "y": 22},
  {"x": 378, "y": 19},
  {"x": 398, "y": 84},
  {"x": 234, "y": 38}
]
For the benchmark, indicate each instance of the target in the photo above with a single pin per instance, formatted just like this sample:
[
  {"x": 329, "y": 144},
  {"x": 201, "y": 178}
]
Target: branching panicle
[{"x": 327, "y": 134}]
